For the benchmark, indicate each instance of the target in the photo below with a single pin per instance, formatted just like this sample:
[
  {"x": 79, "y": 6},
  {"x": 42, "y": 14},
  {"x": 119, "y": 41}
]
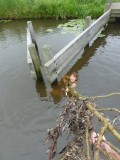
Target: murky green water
[{"x": 25, "y": 112}]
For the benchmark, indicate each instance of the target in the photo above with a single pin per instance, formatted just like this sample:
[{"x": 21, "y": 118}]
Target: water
[{"x": 25, "y": 112}]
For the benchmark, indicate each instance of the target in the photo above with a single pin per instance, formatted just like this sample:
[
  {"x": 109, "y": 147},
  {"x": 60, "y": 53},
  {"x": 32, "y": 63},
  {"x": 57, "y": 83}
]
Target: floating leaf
[
  {"x": 74, "y": 26},
  {"x": 49, "y": 30},
  {"x": 5, "y": 21}
]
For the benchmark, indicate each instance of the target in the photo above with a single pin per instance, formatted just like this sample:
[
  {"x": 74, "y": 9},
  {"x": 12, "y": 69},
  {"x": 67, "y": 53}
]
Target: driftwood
[{"x": 76, "y": 118}]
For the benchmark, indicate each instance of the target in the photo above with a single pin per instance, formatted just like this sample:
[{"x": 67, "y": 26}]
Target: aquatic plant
[{"x": 75, "y": 26}]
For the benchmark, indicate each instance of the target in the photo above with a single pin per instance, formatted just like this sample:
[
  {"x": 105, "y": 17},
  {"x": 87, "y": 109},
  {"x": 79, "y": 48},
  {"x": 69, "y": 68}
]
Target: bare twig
[
  {"x": 103, "y": 120},
  {"x": 106, "y": 96},
  {"x": 87, "y": 139},
  {"x": 109, "y": 109}
]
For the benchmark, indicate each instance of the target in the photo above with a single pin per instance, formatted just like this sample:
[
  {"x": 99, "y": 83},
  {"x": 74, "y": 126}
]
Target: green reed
[{"x": 22, "y": 9}]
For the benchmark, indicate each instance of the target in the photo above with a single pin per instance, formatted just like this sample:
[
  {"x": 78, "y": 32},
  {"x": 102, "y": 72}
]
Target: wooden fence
[
  {"x": 56, "y": 65},
  {"x": 52, "y": 67}
]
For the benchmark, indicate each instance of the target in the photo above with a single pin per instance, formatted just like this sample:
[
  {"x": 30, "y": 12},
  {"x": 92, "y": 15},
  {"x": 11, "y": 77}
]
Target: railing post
[
  {"x": 110, "y": 3},
  {"x": 107, "y": 6},
  {"x": 47, "y": 54},
  {"x": 87, "y": 22}
]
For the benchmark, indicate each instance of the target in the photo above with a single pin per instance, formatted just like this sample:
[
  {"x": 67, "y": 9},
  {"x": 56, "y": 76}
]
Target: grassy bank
[{"x": 20, "y": 9}]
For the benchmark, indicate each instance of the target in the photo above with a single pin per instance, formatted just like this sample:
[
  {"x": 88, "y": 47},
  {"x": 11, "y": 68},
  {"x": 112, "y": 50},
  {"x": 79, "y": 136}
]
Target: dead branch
[
  {"x": 97, "y": 114},
  {"x": 87, "y": 140},
  {"x": 103, "y": 120},
  {"x": 76, "y": 118},
  {"x": 106, "y": 96}
]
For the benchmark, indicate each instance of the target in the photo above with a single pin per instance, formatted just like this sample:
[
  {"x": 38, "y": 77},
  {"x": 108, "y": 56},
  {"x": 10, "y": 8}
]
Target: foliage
[{"x": 12, "y": 9}]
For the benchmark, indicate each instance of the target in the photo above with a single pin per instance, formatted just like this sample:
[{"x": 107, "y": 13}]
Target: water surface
[{"x": 25, "y": 111}]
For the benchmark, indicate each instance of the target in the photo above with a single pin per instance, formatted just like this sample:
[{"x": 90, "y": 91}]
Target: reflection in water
[
  {"x": 48, "y": 92},
  {"x": 41, "y": 89}
]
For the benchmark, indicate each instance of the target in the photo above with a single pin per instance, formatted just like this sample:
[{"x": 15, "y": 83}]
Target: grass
[{"x": 22, "y": 9}]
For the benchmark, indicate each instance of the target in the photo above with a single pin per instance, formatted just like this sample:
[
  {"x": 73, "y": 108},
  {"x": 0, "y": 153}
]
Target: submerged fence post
[
  {"x": 35, "y": 60},
  {"x": 87, "y": 21}
]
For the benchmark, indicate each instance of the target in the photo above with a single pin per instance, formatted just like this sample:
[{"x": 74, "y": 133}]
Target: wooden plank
[
  {"x": 63, "y": 57},
  {"x": 33, "y": 54},
  {"x": 115, "y": 11},
  {"x": 29, "y": 60},
  {"x": 32, "y": 33},
  {"x": 35, "y": 60}
]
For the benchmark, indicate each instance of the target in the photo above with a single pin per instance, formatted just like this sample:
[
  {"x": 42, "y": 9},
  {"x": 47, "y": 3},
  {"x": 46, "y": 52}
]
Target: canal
[{"x": 26, "y": 111}]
